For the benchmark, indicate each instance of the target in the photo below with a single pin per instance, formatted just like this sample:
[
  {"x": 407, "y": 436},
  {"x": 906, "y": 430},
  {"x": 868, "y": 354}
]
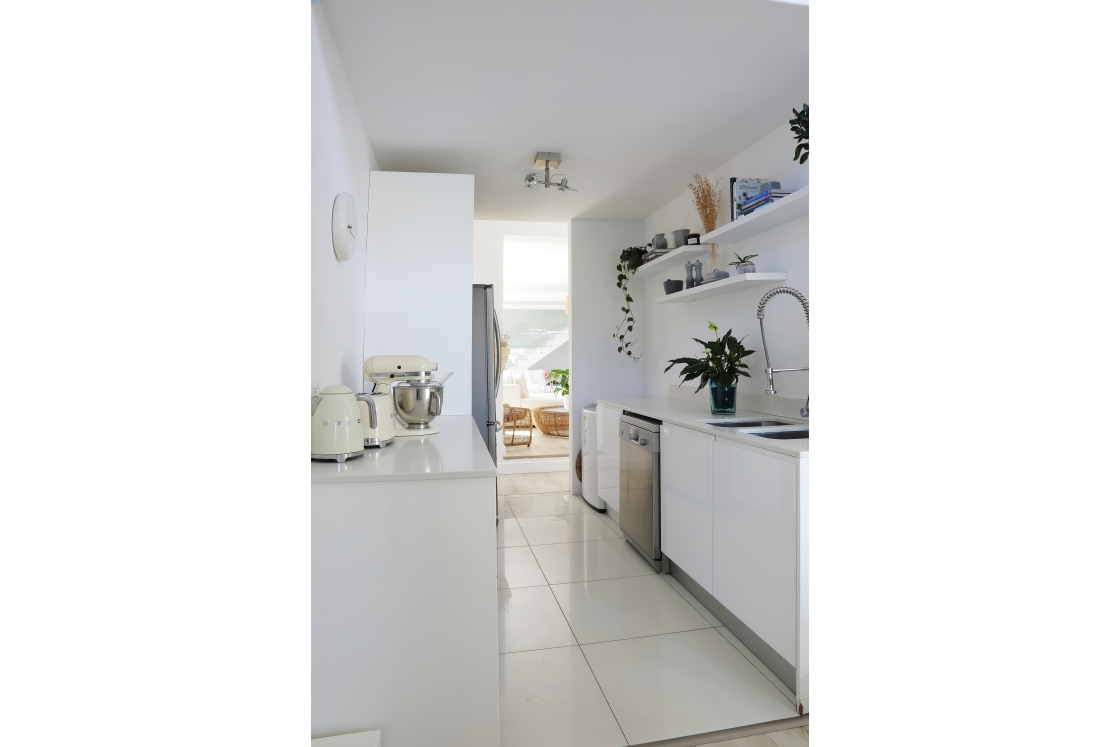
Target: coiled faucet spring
[{"x": 787, "y": 290}]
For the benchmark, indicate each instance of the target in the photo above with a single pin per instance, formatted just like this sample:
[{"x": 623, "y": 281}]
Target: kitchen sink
[
  {"x": 729, "y": 423},
  {"x": 784, "y": 435}
]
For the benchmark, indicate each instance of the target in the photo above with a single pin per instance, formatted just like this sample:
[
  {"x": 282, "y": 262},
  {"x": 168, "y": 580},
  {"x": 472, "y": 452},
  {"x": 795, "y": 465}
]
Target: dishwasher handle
[{"x": 640, "y": 437}]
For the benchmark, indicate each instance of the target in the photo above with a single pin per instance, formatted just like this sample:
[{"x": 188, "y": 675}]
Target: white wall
[
  {"x": 419, "y": 272},
  {"x": 671, "y": 327},
  {"x": 341, "y": 159},
  {"x": 598, "y": 370},
  {"x": 487, "y": 265}
]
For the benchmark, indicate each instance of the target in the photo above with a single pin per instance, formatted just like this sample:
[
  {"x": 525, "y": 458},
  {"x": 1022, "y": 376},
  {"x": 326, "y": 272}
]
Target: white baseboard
[{"x": 523, "y": 466}]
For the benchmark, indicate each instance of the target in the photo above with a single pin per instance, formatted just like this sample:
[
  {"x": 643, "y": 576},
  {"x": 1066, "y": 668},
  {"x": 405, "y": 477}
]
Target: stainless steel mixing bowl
[{"x": 417, "y": 403}]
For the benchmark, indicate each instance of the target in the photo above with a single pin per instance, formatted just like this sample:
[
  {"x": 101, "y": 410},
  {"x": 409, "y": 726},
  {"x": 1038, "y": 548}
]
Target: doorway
[{"x": 527, "y": 263}]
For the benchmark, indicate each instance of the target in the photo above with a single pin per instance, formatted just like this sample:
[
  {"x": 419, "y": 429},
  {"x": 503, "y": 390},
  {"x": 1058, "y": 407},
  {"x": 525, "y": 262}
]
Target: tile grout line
[
  {"x": 589, "y": 668},
  {"x": 584, "y": 581},
  {"x": 531, "y": 650},
  {"x": 716, "y": 627},
  {"x": 651, "y": 635},
  {"x": 601, "y": 692}
]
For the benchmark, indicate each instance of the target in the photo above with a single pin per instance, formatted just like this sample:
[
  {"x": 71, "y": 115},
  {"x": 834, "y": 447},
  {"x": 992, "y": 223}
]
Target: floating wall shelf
[
  {"x": 719, "y": 287},
  {"x": 672, "y": 260},
  {"x": 777, "y": 213}
]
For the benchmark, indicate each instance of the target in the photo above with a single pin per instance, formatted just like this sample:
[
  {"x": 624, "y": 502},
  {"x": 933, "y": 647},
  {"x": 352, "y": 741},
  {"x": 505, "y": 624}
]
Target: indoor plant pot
[
  {"x": 722, "y": 398},
  {"x": 743, "y": 265}
]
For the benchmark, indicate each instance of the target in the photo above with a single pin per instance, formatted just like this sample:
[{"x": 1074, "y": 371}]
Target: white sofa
[{"x": 527, "y": 388}]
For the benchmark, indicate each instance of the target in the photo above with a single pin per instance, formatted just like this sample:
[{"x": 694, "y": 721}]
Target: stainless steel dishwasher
[{"x": 639, "y": 499}]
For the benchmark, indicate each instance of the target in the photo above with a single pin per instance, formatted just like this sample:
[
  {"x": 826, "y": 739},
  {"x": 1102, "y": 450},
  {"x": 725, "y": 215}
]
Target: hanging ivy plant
[{"x": 628, "y": 262}]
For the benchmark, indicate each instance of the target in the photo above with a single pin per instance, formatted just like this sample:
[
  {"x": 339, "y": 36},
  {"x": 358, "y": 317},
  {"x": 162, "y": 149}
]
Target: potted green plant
[
  {"x": 799, "y": 126},
  {"x": 743, "y": 265},
  {"x": 559, "y": 378},
  {"x": 720, "y": 368}
]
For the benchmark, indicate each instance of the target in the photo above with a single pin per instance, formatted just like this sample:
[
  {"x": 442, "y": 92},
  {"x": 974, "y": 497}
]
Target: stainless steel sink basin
[
  {"x": 784, "y": 435},
  {"x": 749, "y": 423}
]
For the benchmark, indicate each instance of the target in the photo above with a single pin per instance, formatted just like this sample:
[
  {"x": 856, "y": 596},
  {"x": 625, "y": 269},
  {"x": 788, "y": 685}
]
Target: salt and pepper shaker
[{"x": 690, "y": 281}]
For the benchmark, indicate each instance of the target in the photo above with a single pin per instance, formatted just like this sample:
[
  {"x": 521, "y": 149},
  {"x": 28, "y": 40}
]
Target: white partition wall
[
  {"x": 598, "y": 371},
  {"x": 419, "y": 255}
]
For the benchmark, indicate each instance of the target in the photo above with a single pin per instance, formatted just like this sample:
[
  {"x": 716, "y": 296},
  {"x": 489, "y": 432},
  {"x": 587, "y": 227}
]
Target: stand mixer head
[{"x": 386, "y": 370}]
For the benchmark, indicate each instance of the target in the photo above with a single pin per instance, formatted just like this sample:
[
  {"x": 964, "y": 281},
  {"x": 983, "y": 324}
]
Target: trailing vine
[{"x": 628, "y": 262}]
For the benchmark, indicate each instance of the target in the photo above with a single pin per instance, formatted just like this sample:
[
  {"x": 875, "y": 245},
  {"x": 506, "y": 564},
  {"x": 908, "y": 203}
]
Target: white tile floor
[{"x": 597, "y": 649}]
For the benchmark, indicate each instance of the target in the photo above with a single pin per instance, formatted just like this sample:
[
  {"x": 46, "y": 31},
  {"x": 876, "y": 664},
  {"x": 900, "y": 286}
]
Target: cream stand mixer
[{"x": 411, "y": 395}]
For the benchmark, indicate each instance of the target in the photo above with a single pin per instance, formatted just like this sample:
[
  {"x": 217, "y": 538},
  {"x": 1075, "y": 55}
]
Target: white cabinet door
[
  {"x": 606, "y": 454},
  {"x": 686, "y": 501},
  {"x": 754, "y": 571}
]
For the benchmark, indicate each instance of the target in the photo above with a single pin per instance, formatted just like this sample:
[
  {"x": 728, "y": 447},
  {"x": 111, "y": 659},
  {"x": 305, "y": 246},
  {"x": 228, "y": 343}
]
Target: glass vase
[{"x": 722, "y": 398}]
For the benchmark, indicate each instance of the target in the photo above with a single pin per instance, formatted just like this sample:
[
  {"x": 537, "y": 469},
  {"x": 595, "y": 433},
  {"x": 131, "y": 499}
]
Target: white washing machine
[{"x": 590, "y": 462}]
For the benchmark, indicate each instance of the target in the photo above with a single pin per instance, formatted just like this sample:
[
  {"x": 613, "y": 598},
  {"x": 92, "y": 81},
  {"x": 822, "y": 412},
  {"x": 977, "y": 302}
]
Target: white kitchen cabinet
[
  {"x": 686, "y": 501},
  {"x": 607, "y": 454},
  {"x": 755, "y": 541}
]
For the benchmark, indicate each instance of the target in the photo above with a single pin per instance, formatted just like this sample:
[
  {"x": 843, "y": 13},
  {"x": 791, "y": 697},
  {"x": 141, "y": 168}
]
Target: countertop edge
[
  {"x": 407, "y": 477},
  {"x": 756, "y": 442}
]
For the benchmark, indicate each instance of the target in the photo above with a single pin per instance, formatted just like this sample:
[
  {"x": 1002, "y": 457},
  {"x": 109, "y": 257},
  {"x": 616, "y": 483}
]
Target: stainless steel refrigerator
[{"x": 486, "y": 365}]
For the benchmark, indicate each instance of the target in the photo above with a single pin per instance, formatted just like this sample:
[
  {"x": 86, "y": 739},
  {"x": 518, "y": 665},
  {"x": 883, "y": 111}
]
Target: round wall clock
[{"x": 344, "y": 226}]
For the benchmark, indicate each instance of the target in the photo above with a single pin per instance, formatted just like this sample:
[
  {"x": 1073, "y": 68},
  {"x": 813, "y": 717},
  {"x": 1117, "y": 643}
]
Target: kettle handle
[{"x": 372, "y": 408}]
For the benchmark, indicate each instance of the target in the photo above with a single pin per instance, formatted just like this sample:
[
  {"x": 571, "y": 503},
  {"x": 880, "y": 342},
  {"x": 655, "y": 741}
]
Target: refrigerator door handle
[
  {"x": 497, "y": 369},
  {"x": 497, "y": 354}
]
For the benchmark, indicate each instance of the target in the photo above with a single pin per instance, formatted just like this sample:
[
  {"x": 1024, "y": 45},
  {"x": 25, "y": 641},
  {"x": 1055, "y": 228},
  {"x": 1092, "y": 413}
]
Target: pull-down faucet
[{"x": 761, "y": 315}]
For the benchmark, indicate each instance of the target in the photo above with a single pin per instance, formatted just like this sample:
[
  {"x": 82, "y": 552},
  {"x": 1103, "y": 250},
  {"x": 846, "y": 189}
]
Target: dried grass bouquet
[{"x": 706, "y": 200}]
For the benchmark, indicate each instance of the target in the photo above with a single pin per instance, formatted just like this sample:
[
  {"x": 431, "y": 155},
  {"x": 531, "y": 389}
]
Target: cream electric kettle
[{"x": 336, "y": 425}]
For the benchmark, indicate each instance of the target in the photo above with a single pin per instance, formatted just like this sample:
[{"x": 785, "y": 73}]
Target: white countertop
[
  {"x": 457, "y": 451},
  {"x": 690, "y": 415}
]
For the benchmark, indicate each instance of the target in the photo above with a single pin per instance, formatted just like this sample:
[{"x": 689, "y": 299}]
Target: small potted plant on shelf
[
  {"x": 720, "y": 368},
  {"x": 743, "y": 265},
  {"x": 559, "y": 378}
]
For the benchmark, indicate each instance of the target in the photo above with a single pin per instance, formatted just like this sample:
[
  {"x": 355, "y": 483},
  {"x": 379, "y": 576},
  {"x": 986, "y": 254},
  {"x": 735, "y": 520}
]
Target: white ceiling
[{"x": 638, "y": 95}]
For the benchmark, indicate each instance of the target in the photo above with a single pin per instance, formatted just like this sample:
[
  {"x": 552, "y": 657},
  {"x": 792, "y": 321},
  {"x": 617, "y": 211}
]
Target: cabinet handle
[{"x": 641, "y": 442}]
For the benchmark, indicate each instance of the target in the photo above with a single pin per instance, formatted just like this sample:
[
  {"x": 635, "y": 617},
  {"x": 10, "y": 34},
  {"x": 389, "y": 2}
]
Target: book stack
[
  {"x": 654, "y": 254},
  {"x": 763, "y": 198},
  {"x": 748, "y": 195}
]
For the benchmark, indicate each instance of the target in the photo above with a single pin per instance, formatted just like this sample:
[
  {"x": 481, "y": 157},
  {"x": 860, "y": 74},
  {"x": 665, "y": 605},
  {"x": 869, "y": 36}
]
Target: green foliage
[
  {"x": 632, "y": 256},
  {"x": 742, "y": 260},
  {"x": 628, "y": 262},
  {"x": 722, "y": 361},
  {"x": 799, "y": 126},
  {"x": 559, "y": 377}
]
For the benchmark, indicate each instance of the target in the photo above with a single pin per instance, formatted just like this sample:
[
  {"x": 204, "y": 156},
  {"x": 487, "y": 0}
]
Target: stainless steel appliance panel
[
  {"x": 485, "y": 363},
  {"x": 639, "y": 510}
]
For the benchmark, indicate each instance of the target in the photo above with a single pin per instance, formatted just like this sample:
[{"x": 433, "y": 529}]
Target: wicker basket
[
  {"x": 552, "y": 420},
  {"x": 517, "y": 426}
]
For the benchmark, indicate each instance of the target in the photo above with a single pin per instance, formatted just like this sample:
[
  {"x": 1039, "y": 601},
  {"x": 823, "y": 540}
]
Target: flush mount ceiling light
[{"x": 546, "y": 161}]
